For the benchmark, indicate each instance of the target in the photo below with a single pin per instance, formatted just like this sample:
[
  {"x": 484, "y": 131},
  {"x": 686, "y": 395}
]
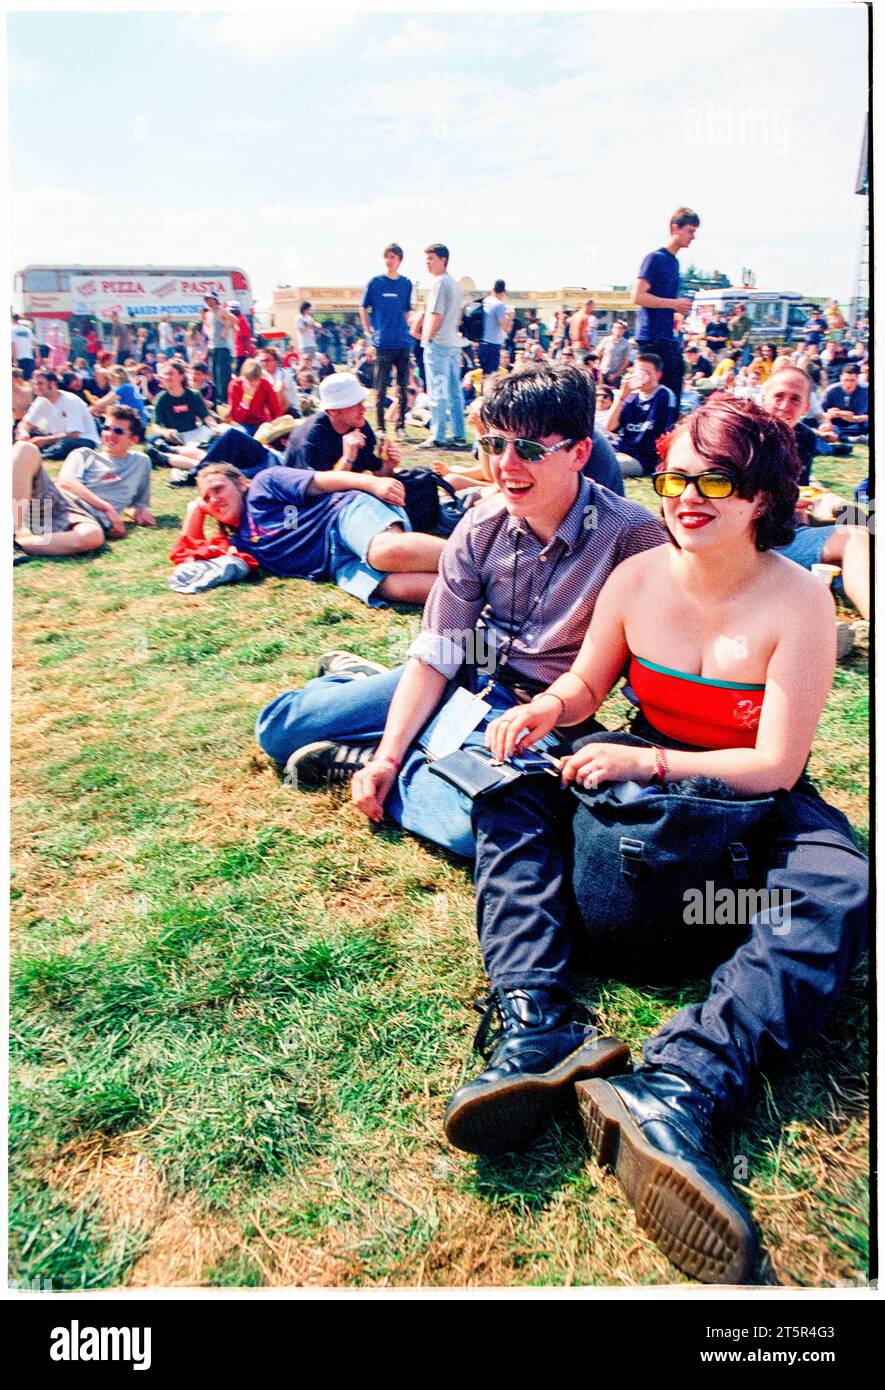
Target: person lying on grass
[
  {"x": 95, "y": 487},
  {"x": 346, "y": 527}
]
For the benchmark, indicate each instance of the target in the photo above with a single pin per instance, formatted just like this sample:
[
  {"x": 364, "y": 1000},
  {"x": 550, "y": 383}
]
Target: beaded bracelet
[{"x": 662, "y": 770}]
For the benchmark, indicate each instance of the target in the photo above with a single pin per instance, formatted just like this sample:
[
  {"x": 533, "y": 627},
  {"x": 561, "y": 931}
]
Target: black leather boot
[
  {"x": 653, "y": 1129},
  {"x": 535, "y": 1056}
]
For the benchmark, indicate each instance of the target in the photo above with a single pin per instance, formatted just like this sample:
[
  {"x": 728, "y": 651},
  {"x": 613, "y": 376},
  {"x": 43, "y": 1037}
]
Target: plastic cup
[{"x": 826, "y": 572}]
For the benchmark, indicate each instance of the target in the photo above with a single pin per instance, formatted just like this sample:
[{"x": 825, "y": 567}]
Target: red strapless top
[{"x": 692, "y": 709}]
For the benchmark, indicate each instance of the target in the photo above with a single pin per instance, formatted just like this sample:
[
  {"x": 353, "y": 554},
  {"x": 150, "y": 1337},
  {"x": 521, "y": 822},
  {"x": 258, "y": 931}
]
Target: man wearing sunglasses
[
  {"x": 94, "y": 487},
  {"x": 525, "y": 564},
  {"x": 106, "y": 481}
]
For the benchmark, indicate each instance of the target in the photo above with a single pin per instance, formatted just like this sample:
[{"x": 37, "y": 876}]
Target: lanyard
[{"x": 512, "y": 630}]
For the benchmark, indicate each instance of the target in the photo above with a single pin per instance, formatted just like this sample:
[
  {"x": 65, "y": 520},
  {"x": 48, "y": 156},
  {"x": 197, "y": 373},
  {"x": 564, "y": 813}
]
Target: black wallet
[{"x": 472, "y": 771}]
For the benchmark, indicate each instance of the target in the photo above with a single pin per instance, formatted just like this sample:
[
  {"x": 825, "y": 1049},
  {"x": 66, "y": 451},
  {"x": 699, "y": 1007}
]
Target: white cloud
[
  {"x": 271, "y": 36},
  {"x": 415, "y": 40}
]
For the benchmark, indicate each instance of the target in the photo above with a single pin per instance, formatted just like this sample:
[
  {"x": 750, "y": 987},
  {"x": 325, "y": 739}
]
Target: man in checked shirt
[{"x": 529, "y": 560}]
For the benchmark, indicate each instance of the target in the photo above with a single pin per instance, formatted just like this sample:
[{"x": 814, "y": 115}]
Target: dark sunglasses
[
  {"x": 113, "y": 429},
  {"x": 713, "y": 484},
  {"x": 529, "y": 450}
]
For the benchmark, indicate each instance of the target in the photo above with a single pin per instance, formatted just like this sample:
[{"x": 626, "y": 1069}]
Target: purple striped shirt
[{"x": 556, "y": 585}]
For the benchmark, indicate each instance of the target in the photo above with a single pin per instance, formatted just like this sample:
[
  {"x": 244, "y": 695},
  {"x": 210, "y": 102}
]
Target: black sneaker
[
  {"x": 326, "y": 763},
  {"x": 431, "y": 444},
  {"x": 19, "y": 556},
  {"x": 341, "y": 663}
]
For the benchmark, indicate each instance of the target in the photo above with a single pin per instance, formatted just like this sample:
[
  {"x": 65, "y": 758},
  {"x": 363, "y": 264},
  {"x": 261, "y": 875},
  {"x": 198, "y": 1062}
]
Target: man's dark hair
[
  {"x": 653, "y": 360},
  {"x": 305, "y": 305},
  {"x": 436, "y": 248},
  {"x": 499, "y": 287},
  {"x": 851, "y": 367},
  {"x": 760, "y": 451},
  {"x": 397, "y": 250},
  {"x": 685, "y": 217},
  {"x": 543, "y": 400},
  {"x": 131, "y": 417},
  {"x": 200, "y": 367},
  {"x": 47, "y": 374},
  {"x": 693, "y": 347}
]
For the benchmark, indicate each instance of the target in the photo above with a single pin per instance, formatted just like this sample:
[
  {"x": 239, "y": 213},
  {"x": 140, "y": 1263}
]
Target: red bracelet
[
  {"x": 384, "y": 758},
  {"x": 662, "y": 771}
]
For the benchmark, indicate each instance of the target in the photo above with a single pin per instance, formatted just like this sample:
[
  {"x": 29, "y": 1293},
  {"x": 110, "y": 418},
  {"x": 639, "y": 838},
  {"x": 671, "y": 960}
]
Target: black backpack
[
  {"x": 472, "y": 321},
  {"x": 423, "y": 506}
]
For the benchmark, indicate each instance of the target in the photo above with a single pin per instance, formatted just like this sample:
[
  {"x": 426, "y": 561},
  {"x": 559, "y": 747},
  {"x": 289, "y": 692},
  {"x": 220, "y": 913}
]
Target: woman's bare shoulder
[{"x": 799, "y": 592}]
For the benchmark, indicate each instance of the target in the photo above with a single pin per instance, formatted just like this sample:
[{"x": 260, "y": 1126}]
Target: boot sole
[
  {"x": 509, "y": 1114},
  {"x": 685, "y": 1217}
]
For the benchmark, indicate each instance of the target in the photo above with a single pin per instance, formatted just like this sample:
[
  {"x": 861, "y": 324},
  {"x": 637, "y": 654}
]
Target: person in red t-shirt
[
  {"x": 251, "y": 397},
  {"x": 244, "y": 344}
]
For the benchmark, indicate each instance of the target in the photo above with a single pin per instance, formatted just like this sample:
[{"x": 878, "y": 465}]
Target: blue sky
[{"x": 548, "y": 148}]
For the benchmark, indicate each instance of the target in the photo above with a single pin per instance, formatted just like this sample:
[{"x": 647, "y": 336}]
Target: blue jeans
[
  {"x": 220, "y": 367},
  {"x": 354, "y": 709},
  {"x": 351, "y": 534},
  {"x": 443, "y": 366}
]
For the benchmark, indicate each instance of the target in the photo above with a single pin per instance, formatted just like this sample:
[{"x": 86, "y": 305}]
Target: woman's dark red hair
[{"x": 742, "y": 438}]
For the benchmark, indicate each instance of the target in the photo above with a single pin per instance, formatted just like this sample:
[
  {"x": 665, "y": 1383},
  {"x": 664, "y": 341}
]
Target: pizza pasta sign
[{"x": 146, "y": 296}]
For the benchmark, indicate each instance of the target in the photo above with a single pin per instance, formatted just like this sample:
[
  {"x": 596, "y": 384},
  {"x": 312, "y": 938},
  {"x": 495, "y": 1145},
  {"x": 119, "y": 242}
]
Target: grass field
[{"x": 237, "y": 1012}]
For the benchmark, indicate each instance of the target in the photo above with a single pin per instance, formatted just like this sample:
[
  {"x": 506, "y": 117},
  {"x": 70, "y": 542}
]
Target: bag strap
[
  {"x": 446, "y": 487},
  {"x": 740, "y": 861},
  {"x": 631, "y": 852}
]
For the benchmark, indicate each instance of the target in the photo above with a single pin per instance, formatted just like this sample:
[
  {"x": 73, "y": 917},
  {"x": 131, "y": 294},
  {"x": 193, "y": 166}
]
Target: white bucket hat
[{"x": 340, "y": 391}]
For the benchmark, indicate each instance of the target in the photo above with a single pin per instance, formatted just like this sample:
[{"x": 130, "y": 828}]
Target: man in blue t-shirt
[
  {"x": 846, "y": 408},
  {"x": 349, "y": 527},
  {"x": 497, "y": 321},
  {"x": 644, "y": 409},
  {"x": 815, "y": 328},
  {"x": 384, "y": 313},
  {"x": 657, "y": 293}
]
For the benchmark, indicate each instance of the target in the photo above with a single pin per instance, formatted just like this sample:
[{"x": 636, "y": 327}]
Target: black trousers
[
  {"x": 670, "y": 354},
  {"x": 771, "y": 995},
  {"x": 387, "y": 361}
]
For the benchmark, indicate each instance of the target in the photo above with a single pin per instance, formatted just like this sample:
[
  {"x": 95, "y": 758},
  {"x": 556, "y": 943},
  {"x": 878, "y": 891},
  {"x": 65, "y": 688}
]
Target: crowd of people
[{"x": 715, "y": 608}]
